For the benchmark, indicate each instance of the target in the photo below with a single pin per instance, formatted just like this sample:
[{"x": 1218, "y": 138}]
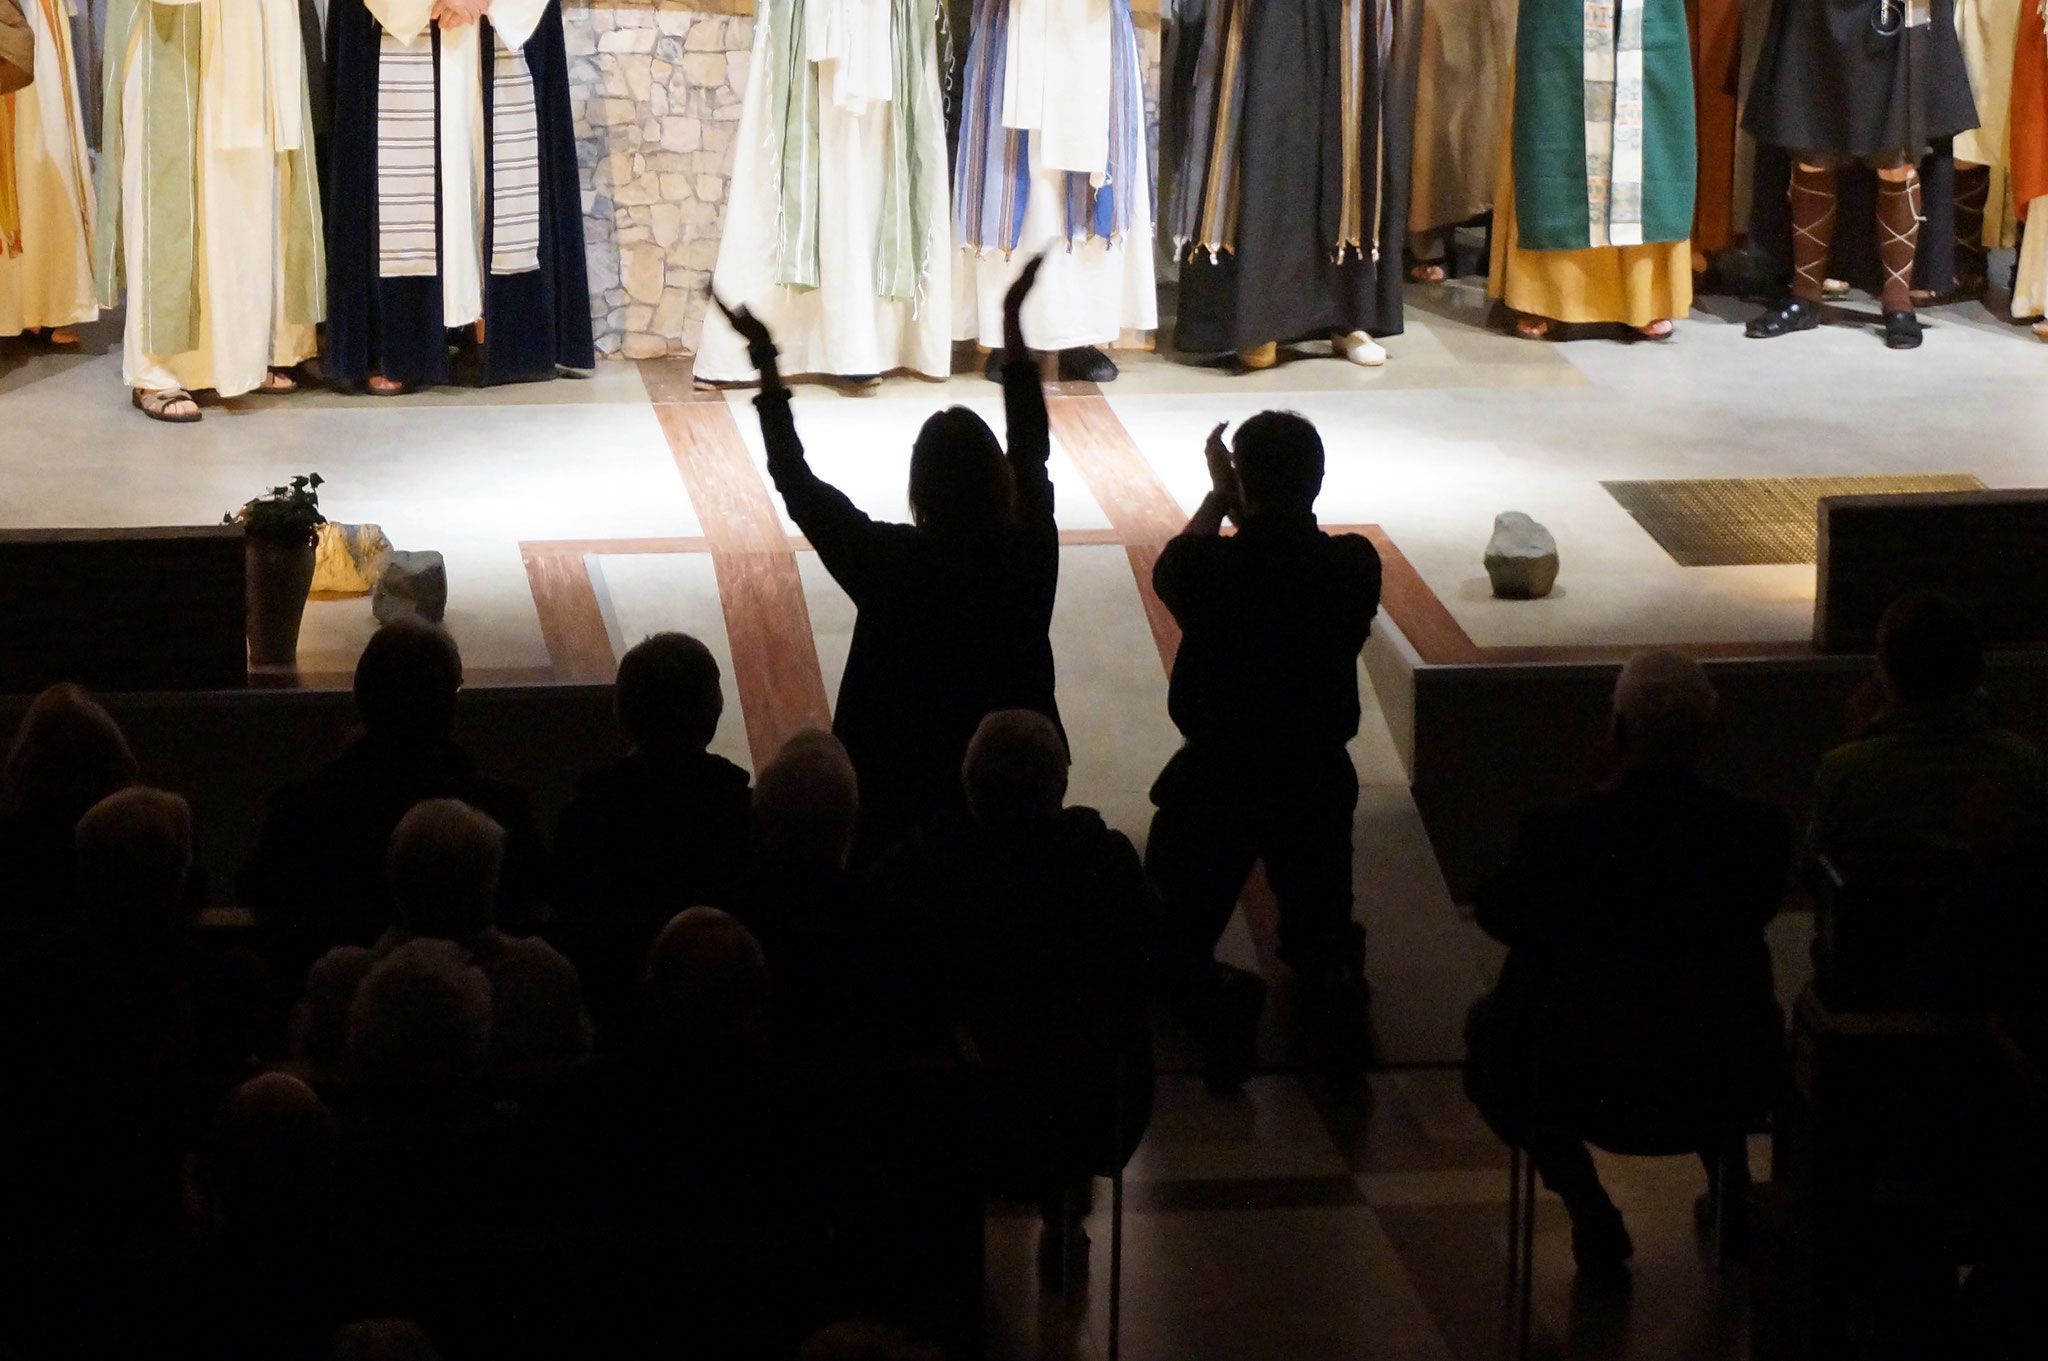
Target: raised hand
[
  {"x": 751, "y": 329},
  {"x": 1222, "y": 473},
  {"x": 1013, "y": 305}
]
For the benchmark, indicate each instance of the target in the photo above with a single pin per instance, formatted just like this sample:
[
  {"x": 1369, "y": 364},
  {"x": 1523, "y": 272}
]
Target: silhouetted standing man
[{"x": 1265, "y": 694}]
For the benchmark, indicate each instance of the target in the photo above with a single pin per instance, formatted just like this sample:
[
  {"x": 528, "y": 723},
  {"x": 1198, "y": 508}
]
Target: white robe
[
  {"x": 461, "y": 113},
  {"x": 841, "y": 326},
  {"x": 50, "y": 283},
  {"x": 1090, "y": 291},
  {"x": 243, "y": 331}
]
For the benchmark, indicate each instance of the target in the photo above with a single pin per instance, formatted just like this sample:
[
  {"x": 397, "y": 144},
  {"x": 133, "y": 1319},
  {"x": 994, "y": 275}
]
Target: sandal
[
  {"x": 1659, "y": 330},
  {"x": 395, "y": 390},
  {"x": 1533, "y": 328},
  {"x": 155, "y": 404},
  {"x": 278, "y": 383},
  {"x": 1427, "y": 272},
  {"x": 50, "y": 337},
  {"x": 1793, "y": 314}
]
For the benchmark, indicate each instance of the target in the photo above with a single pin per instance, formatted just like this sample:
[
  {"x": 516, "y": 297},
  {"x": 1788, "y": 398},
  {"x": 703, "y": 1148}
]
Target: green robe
[
  {"x": 167, "y": 40},
  {"x": 1552, "y": 185}
]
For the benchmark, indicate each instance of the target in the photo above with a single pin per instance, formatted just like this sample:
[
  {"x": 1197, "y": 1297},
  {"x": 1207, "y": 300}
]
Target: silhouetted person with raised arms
[
  {"x": 954, "y": 608},
  {"x": 663, "y": 829},
  {"x": 317, "y": 879},
  {"x": 1265, "y": 694}
]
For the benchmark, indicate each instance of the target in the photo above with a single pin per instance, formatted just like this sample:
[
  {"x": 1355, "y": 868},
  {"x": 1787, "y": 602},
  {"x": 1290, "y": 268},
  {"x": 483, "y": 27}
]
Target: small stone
[
  {"x": 710, "y": 188},
  {"x": 1521, "y": 558},
  {"x": 681, "y": 134},
  {"x": 670, "y": 317},
  {"x": 706, "y": 70},
  {"x": 667, "y": 223},
  {"x": 641, "y": 346},
  {"x": 411, "y": 583}
]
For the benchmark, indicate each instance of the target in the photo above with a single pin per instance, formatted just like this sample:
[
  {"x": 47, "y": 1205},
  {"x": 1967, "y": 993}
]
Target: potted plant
[{"x": 281, "y": 530}]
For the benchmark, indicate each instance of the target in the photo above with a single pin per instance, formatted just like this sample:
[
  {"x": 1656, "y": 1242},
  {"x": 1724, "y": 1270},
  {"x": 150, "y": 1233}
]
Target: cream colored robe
[
  {"x": 252, "y": 126},
  {"x": 1989, "y": 30},
  {"x": 50, "y": 283}
]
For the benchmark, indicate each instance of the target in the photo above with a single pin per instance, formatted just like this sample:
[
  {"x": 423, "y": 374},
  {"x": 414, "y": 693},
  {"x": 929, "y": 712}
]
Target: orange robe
[{"x": 1715, "y": 27}]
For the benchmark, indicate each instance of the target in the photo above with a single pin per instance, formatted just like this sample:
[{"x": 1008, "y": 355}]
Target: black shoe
[
  {"x": 1902, "y": 330},
  {"x": 993, "y": 370},
  {"x": 1230, "y": 1029},
  {"x": 1600, "y": 1242},
  {"x": 1086, "y": 364},
  {"x": 1793, "y": 314}
]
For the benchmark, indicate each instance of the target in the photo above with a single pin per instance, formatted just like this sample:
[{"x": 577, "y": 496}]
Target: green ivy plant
[{"x": 288, "y": 514}]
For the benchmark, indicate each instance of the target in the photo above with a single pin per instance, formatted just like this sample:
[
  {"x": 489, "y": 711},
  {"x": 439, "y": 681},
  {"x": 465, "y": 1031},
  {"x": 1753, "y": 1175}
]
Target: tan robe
[
  {"x": 1467, "y": 47},
  {"x": 50, "y": 282}
]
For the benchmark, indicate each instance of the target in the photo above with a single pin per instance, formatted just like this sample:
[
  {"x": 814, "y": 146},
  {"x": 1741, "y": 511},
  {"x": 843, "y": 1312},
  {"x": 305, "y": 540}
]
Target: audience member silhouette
[
  {"x": 1636, "y": 1002},
  {"x": 1037, "y": 917},
  {"x": 1935, "y": 821},
  {"x": 841, "y": 995},
  {"x": 316, "y": 878},
  {"x": 1265, "y": 694},
  {"x": 68, "y": 754},
  {"x": 954, "y": 608},
  {"x": 382, "y": 1339},
  {"x": 658, "y": 831},
  {"x": 116, "y": 1036},
  {"x": 443, "y": 871},
  {"x": 260, "y": 1200}
]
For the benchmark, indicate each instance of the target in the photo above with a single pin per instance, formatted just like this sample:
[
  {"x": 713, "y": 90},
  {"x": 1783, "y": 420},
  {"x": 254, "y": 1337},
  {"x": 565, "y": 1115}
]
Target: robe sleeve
[
  {"x": 1030, "y": 442},
  {"x": 515, "y": 20},
  {"x": 404, "y": 20}
]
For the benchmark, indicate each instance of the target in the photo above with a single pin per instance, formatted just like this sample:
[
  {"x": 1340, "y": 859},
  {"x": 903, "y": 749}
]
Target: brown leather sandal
[{"x": 156, "y": 405}]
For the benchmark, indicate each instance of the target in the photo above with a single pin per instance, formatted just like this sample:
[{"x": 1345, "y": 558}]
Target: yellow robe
[
  {"x": 50, "y": 282},
  {"x": 1634, "y": 285}
]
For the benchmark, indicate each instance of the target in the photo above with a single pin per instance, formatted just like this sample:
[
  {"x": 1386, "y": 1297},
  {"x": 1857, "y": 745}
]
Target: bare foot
[
  {"x": 1533, "y": 328},
  {"x": 278, "y": 383},
  {"x": 387, "y": 386},
  {"x": 60, "y": 336},
  {"x": 1656, "y": 330},
  {"x": 1428, "y": 272}
]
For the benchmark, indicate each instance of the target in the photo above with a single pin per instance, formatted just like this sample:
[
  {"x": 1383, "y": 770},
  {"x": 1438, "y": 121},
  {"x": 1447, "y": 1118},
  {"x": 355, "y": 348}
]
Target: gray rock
[
  {"x": 411, "y": 583},
  {"x": 1521, "y": 558}
]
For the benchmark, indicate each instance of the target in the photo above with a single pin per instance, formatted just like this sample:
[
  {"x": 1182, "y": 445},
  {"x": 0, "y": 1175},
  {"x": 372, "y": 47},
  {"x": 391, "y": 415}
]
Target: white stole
[{"x": 1056, "y": 82}]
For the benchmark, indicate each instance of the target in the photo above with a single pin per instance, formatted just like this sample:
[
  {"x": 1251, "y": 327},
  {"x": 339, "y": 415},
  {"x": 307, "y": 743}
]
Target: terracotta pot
[{"x": 280, "y": 573}]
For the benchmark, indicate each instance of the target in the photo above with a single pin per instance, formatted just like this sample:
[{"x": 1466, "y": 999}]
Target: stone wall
[{"x": 656, "y": 90}]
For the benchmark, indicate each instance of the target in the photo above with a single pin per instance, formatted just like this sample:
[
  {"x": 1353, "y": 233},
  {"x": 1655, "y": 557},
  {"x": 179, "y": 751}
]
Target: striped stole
[
  {"x": 408, "y": 242},
  {"x": 515, "y": 165},
  {"x": 1614, "y": 122}
]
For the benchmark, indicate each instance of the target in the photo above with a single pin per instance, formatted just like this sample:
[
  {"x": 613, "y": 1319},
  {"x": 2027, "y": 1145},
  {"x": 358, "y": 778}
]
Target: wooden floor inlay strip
[
  {"x": 1138, "y": 505},
  {"x": 571, "y": 623},
  {"x": 767, "y": 622}
]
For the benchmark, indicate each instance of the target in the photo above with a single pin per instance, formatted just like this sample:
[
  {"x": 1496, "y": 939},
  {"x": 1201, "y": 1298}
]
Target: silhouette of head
[
  {"x": 1663, "y": 709},
  {"x": 407, "y": 680},
  {"x": 134, "y": 852},
  {"x": 269, "y": 1158},
  {"x": 1279, "y": 460},
  {"x": 421, "y": 1017},
  {"x": 443, "y": 866},
  {"x": 959, "y": 479},
  {"x": 1928, "y": 650},
  {"x": 1016, "y": 769},
  {"x": 707, "y": 982},
  {"x": 382, "y": 1339},
  {"x": 68, "y": 754},
  {"x": 667, "y": 694},
  {"x": 806, "y": 802}
]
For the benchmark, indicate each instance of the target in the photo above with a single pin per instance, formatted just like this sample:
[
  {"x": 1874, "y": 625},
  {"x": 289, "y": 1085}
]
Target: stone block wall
[{"x": 656, "y": 90}]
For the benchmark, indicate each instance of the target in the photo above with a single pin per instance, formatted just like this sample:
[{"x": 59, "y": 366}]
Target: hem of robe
[
  {"x": 840, "y": 328},
  {"x": 55, "y": 212},
  {"x": 1631, "y": 285}
]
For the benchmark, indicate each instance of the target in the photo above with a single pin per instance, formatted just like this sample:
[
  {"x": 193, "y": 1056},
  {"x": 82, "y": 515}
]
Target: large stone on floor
[
  {"x": 1521, "y": 558},
  {"x": 412, "y": 583}
]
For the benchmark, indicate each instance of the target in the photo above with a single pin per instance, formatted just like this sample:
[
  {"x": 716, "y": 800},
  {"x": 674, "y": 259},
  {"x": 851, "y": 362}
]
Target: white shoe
[{"x": 1359, "y": 348}]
